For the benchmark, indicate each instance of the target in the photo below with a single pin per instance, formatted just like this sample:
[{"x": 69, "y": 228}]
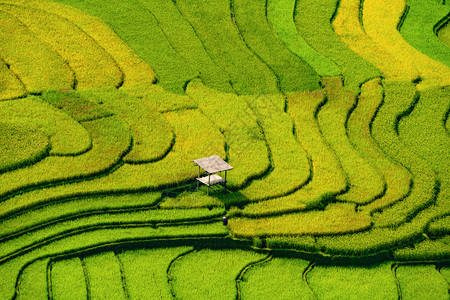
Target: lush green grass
[
  {"x": 247, "y": 149},
  {"x": 34, "y": 63},
  {"x": 279, "y": 278},
  {"x": 291, "y": 167},
  {"x": 93, "y": 67},
  {"x": 335, "y": 219},
  {"x": 327, "y": 176},
  {"x": 280, "y": 14},
  {"x": 152, "y": 134},
  {"x": 365, "y": 182},
  {"x": 312, "y": 19},
  {"x": 34, "y": 281},
  {"x": 215, "y": 28},
  {"x": 210, "y": 274},
  {"x": 67, "y": 137},
  {"x": 68, "y": 280},
  {"x": 105, "y": 278},
  {"x": 10, "y": 86},
  {"x": 21, "y": 145},
  {"x": 140, "y": 30},
  {"x": 293, "y": 74},
  {"x": 419, "y": 25},
  {"x": 146, "y": 270},
  {"x": 348, "y": 282},
  {"x": 421, "y": 282}
]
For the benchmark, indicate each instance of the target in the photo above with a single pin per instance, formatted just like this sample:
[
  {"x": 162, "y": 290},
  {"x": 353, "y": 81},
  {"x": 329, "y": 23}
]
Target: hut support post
[
  {"x": 209, "y": 182},
  {"x": 198, "y": 182}
]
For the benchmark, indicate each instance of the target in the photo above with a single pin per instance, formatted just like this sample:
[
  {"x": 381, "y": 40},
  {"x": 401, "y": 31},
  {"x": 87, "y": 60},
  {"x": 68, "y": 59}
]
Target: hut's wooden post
[
  {"x": 198, "y": 182},
  {"x": 209, "y": 182}
]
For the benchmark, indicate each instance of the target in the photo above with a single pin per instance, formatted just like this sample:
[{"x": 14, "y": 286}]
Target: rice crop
[
  {"x": 159, "y": 98},
  {"x": 291, "y": 167},
  {"x": 195, "y": 137},
  {"x": 185, "y": 41},
  {"x": 10, "y": 86},
  {"x": 247, "y": 148},
  {"x": 190, "y": 199},
  {"x": 365, "y": 182},
  {"x": 444, "y": 34},
  {"x": 422, "y": 282},
  {"x": 34, "y": 281},
  {"x": 335, "y": 219},
  {"x": 351, "y": 282},
  {"x": 35, "y": 64},
  {"x": 93, "y": 67},
  {"x": 280, "y": 15},
  {"x": 440, "y": 226},
  {"x": 66, "y": 136},
  {"x": 145, "y": 271},
  {"x": 222, "y": 41},
  {"x": 79, "y": 206},
  {"x": 101, "y": 237},
  {"x": 219, "y": 268},
  {"x": 77, "y": 224},
  {"x": 104, "y": 275},
  {"x": 327, "y": 176},
  {"x": 68, "y": 280},
  {"x": 349, "y": 27},
  {"x": 76, "y": 105},
  {"x": 276, "y": 278},
  {"x": 317, "y": 14},
  {"x": 398, "y": 98},
  {"x": 387, "y": 37},
  {"x": 135, "y": 70},
  {"x": 152, "y": 134},
  {"x": 418, "y": 29},
  {"x": 110, "y": 139},
  {"x": 396, "y": 178},
  {"x": 426, "y": 250},
  {"x": 21, "y": 146},
  {"x": 140, "y": 30},
  {"x": 334, "y": 115},
  {"x": 293, "y": 74}
]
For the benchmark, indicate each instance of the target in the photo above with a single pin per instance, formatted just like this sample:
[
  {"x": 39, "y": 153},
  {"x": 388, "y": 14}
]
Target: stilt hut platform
[{"x": 212, "y": 165}]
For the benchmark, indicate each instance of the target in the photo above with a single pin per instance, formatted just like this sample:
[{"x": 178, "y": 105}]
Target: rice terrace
[{"x": 325, "y": 121}]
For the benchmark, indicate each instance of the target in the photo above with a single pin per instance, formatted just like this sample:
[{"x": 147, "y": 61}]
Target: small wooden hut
[{"x": 212, "y": 165}]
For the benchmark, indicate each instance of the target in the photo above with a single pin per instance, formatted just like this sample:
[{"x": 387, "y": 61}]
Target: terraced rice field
[{"x": 333, "y": 113}]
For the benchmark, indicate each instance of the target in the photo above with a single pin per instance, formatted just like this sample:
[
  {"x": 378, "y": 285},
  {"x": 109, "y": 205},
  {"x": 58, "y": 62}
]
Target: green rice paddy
[{"x": 334, "y": 115}]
